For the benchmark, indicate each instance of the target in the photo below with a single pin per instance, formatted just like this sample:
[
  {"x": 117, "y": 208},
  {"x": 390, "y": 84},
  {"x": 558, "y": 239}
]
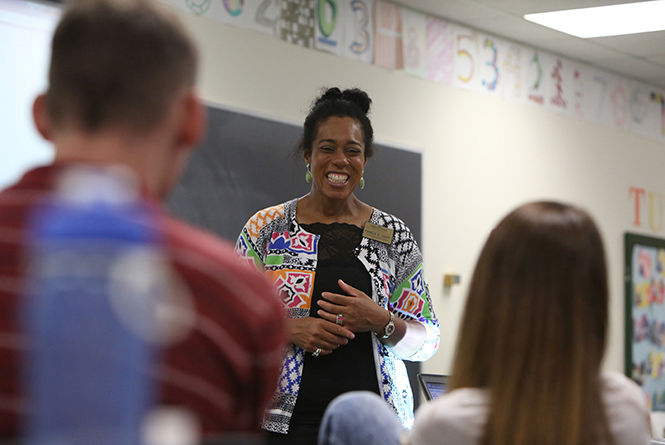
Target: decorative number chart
[{"x": 432, "y": 48}]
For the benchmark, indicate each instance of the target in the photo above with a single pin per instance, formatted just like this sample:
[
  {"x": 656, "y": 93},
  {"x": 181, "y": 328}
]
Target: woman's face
[{"x": 337, "y": 159}]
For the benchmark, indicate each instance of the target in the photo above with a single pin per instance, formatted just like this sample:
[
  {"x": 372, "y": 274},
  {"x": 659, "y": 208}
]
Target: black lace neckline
[
  {"x": 322, "y": 226},
  {"x": 337, "y": 241}
]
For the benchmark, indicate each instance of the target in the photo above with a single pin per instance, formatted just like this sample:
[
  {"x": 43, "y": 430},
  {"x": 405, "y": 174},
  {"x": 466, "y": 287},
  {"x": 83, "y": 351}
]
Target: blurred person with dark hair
[
  {"x": 121, "y": 97},
  {"x": 351, "y": 278},
  {"x": 527, "y": 366}
]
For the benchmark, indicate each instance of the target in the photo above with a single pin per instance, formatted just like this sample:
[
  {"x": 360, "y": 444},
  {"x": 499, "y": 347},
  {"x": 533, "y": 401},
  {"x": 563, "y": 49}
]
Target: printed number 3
[{"x": 362, "y": 44}]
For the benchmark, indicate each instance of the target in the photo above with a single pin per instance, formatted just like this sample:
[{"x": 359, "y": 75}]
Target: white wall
[
  {"x": 482, "y": 156},
  {"x": 25, "y": 31}
]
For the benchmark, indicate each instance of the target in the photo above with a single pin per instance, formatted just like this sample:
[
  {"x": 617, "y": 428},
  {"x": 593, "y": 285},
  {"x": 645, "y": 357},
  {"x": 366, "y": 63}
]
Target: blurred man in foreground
[{"x": 121, "y": 98}]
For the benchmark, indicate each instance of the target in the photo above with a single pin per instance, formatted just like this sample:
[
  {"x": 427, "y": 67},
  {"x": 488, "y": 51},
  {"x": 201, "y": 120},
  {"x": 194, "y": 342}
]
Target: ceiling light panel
[{"x": 602, "y": 21}]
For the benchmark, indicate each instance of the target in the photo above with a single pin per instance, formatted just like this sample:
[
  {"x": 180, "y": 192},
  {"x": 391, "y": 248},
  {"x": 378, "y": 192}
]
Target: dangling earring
[
  {"x": 308, "y": 175},
  {"x": 362, "y": 182}
]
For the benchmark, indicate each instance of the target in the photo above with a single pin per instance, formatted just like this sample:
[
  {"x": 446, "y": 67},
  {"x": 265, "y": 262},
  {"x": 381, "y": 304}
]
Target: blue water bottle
[{"x": 94, "y": 276}]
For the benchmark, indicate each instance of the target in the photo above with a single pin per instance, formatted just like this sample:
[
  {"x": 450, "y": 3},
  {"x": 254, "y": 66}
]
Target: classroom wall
[{"x": 482, "y": 156}]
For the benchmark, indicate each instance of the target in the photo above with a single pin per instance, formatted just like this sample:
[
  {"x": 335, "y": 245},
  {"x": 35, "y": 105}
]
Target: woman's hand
[
  {"x": 359, "y": 312},
  {"x": 316, "y": 333}
]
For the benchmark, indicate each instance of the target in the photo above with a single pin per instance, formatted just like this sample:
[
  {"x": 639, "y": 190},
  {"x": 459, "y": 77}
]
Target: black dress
[{"x": 350, "y": 367}]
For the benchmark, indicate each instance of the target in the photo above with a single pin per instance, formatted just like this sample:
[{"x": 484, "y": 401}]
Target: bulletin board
[{"x": 645, "y": 315}]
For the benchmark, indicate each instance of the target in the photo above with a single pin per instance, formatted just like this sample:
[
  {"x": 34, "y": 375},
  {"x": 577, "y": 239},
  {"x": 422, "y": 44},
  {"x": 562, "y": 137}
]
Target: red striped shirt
[{"x": 225, "y": 367}]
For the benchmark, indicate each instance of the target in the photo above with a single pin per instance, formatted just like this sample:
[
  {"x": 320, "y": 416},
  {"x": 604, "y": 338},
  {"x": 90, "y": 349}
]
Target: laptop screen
[{"x": 434, "y": 385}]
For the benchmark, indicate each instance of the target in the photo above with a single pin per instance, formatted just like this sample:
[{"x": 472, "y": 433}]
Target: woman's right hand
[{"x": 312, "y": 333}]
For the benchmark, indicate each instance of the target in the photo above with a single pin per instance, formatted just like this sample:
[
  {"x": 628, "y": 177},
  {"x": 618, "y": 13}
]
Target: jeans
[{"x": 360, "y": 418}]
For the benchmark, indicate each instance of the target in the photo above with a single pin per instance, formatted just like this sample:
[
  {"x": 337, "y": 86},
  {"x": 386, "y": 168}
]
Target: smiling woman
[
  {"x": 336, "y": 162},
  {"x": 348, "y": 275}
]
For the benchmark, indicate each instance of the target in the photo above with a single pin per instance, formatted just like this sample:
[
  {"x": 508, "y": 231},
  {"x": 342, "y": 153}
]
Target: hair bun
[
  {"x": 358, "y": 97},
  {"x": 329, "y": 94},
  {"x": 354, "y": 95}
]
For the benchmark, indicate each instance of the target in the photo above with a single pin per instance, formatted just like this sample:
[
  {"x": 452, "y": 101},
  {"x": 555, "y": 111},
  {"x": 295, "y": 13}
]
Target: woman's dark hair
[
  {"x": 353, "y": 103},
  {"x": 534, "y": 328}
]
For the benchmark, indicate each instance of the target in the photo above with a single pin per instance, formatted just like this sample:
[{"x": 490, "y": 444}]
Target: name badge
[{"x": 378, "y": 233}]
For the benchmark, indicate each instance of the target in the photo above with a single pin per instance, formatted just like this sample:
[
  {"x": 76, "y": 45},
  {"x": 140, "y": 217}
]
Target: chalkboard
[{"x": 247, "y": 163}]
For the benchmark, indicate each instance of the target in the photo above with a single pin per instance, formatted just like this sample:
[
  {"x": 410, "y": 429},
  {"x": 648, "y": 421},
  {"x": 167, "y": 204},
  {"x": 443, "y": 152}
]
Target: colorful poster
[
  {"x": 620, "y": 102},
  {"x": 329, "y": 26},
  {"x": 440, "y": 50},
  {"x": 598, "y": 85},
  {"x": 465, "y": 61},
  {"x": 414, "y": 47},
  {"x": 358, "y": 31},
  {"x": 258, "y": 15},
  {"x": 264, "y": 15},
  {"x": 197, "y": 7},
  {"x": 577, "y": 98},
  {"x": 512, "y": 58},
  {"x": 559, "y": 98},
  {"x": 537, "y": 77},
  {"x": 644, "y": 113},
  {"x": 388, "y": 35},
  {"x": 296, "y": 23},
  {"x": 645, "y": 316},
  {"x": 489, "y": 71},
  {"x": 232, "y": 11},
  {"x": 658, "y": 97}
]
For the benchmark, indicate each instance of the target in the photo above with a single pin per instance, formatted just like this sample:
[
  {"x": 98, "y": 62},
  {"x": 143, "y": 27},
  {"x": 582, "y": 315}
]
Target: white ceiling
[{"x": 638, "y": 56}]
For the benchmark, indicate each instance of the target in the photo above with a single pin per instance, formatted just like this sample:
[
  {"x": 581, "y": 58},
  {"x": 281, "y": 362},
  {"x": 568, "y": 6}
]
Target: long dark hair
[{"x": 534, "y": 328}]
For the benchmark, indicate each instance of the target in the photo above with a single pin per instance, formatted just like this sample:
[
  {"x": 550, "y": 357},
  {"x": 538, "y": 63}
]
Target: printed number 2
[
  {"x": 537, "y": 98},
  {"x": 261, "y": 16}
]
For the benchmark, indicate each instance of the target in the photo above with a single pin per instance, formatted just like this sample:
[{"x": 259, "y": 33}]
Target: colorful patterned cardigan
[{"x": 275, "y": 243}]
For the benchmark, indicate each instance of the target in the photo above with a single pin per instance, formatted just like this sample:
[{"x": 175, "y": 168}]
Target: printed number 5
[{"x": 465, "y": 53}]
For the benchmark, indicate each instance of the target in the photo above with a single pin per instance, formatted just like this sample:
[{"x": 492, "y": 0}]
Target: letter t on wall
[{"x": 638, "y": 192}]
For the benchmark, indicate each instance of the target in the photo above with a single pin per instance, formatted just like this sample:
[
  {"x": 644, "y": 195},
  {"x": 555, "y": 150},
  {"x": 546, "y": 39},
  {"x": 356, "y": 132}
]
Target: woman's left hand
[{"x": 359, "y": 312}]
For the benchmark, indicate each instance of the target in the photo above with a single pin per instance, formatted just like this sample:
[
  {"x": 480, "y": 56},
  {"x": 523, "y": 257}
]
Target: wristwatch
[{"x": 390, "y": 327}]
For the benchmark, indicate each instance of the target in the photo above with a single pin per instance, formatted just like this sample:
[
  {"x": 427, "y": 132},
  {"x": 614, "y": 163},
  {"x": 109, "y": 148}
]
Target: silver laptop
[{"x": 434, "y": 385}]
